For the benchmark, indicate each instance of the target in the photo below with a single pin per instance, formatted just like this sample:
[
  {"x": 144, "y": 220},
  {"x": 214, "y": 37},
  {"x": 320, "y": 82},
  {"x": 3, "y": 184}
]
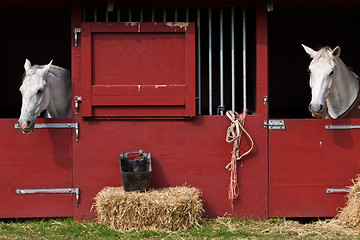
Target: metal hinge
[
  {"x": 75, "y": 191},
  {"x": 274, "y": 124},
  {"x": 56, "y": 125},
  {"x": 77, "y": 31}
]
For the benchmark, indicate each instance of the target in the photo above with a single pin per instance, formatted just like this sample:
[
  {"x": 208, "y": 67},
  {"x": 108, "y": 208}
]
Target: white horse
[
  {"x": 44, "y": 87},
  {"x": 332, "y": 82}
]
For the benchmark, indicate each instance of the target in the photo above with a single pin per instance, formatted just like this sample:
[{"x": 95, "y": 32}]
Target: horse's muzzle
[
  {"x": 317, "y": 110},
  {"x": 26, "y": 127}
]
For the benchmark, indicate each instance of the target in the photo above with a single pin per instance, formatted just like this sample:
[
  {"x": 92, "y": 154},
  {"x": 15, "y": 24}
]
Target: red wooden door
[
  {"x": 138, "y": 69},
  {"x": 41, "y": 160},
  {"x": 310, "y": 165}
]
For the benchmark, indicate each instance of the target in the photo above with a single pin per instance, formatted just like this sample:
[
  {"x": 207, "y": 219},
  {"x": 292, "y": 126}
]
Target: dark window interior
[
  {"x": 38, "y": 34},
  {"x": 289, "y": 90}
]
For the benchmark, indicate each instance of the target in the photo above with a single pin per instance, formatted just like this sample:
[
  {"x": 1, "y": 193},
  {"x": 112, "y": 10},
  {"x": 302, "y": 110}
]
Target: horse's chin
[
  {"x": 317, "y": 115},
  {"x": 27, "y": 131}
]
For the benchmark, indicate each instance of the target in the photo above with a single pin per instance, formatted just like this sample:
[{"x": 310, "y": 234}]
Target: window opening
[{"x": 221, "y": 61}]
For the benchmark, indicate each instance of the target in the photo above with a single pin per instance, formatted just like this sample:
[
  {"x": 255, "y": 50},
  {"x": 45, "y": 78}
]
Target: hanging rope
[{"x": 234, "y": 134}]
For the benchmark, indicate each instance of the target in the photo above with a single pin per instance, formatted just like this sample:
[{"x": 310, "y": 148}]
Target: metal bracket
[
  {"x": 337, "y": 190},
  {"x": 56, "y": 125},
  {"x": 341, "y": 127},
  {"x": 75, "y": 191},
  {"x": 77, "y": 31},
  {"x": 265, "y": 100},
  {"x": 78, "y": 99},
  {"x": 275, "y": 124}
]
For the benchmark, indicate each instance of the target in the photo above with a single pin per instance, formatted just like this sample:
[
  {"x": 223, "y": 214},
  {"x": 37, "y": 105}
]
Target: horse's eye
[
  {"x": 309, "y": 71},
  {"x": 40, "y": 91},
  {"x": 331, "y": 73}
]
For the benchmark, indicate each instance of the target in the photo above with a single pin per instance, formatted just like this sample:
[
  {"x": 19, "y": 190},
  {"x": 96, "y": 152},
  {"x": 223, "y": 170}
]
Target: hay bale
[
  {"x": 350, "y": 214},
  {"x": 172, "y": 209}
]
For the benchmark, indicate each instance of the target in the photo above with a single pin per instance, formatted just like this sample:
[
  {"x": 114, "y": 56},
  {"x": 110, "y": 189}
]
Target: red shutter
[{"x": 138, "y": 69}]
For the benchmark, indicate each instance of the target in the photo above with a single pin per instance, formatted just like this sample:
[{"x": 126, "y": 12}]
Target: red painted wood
[
  {"x": 40, "y": 160},
  {"x": 187, "y": 151},
  {"x": 135, "y": 59},
  {"x": 138, "y": 100},
  {"x": 156, "y": 55},
  {"x": 137, "y": 27},
  {"x": 192, "y": 152},
  {"x": 305, "y": 160},
  {"x": 86, "y": 72},
  {"x": 190, "y": 71},
  {"x": 133, "y": 90},
  {"x": 133, "y": 111}
]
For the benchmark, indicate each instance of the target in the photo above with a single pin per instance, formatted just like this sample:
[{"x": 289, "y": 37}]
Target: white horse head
[
  {"x": 44, "y": 87},
  {"x": 35, "y": 95},
  {"x": 331, "y": 82}
]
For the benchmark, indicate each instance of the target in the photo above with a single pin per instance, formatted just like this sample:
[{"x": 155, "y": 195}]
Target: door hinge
[
  {"x": 77, "y": 31},
  {"x": 274, "y": 124},
  {"x": 75, "y": 191}
]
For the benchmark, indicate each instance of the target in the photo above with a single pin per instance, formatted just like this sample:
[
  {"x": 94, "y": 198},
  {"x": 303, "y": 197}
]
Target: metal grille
[{"x": 225, "y": 51}]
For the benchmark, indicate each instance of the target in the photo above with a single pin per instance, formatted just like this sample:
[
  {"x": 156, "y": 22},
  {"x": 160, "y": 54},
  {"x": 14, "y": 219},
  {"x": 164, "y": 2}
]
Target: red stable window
[{"x": 138, "y": 69}]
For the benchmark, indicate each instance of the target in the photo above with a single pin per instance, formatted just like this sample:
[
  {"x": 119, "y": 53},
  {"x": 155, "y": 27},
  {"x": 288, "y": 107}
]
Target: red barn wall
[{"x": 190, "y": 151}]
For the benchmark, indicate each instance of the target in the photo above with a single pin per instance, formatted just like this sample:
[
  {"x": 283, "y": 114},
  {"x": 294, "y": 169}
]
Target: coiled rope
[{"x": 234, "y": 134}]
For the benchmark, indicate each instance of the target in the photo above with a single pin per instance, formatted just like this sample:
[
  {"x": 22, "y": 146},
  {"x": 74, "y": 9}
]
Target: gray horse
[{"x": 44, "y": 87}]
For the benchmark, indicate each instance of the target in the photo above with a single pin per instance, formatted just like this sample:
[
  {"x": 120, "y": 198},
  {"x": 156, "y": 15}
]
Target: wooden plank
[
  {"x": 86, "y": 68},
  {"x": 138, "y": 90},
  {"x": 138, "y": 58},
  {"x": 139, "y": 111},
  {"x": 190, "y": 70},
  {"x": 138, "y": 100},
  {"x": 140, "y": 27}
]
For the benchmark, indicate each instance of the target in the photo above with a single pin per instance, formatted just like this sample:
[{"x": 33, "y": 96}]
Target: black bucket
[{"x": 136, "y": 173}]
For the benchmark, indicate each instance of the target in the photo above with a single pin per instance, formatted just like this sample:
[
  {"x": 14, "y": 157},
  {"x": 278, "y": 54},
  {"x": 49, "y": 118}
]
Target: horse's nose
[
  {"x": 320, "y": 108},
  {"x": 25, "y": 124}
]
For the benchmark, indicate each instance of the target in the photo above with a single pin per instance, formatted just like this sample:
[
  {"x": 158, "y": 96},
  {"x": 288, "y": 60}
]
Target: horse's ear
[
  {"x": 309, "y": 51},
  {"x": 336, "y": 52},
  {"x": 46, "y": 69},
  {"x": 27, "y": 65}
]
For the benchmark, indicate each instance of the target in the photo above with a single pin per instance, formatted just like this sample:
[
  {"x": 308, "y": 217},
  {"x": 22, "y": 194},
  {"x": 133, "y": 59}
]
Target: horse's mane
[
  {"x": 31, "y": 71},
  {"x": 322, "y": 52}
]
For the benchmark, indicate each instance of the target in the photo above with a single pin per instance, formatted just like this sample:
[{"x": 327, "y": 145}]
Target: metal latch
[
  {"x": 77, "y": 31},
  {"x": 56, "y": 125},
  {"x": 337, "y": 190},
  {"x": 274, "y": 124},
  {"x": 75, "y": 191},
  {"x": 77, "y": 100}
]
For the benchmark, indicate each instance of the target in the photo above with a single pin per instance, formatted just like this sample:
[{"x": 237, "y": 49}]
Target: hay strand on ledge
[{"x": 171, "y": 209}]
